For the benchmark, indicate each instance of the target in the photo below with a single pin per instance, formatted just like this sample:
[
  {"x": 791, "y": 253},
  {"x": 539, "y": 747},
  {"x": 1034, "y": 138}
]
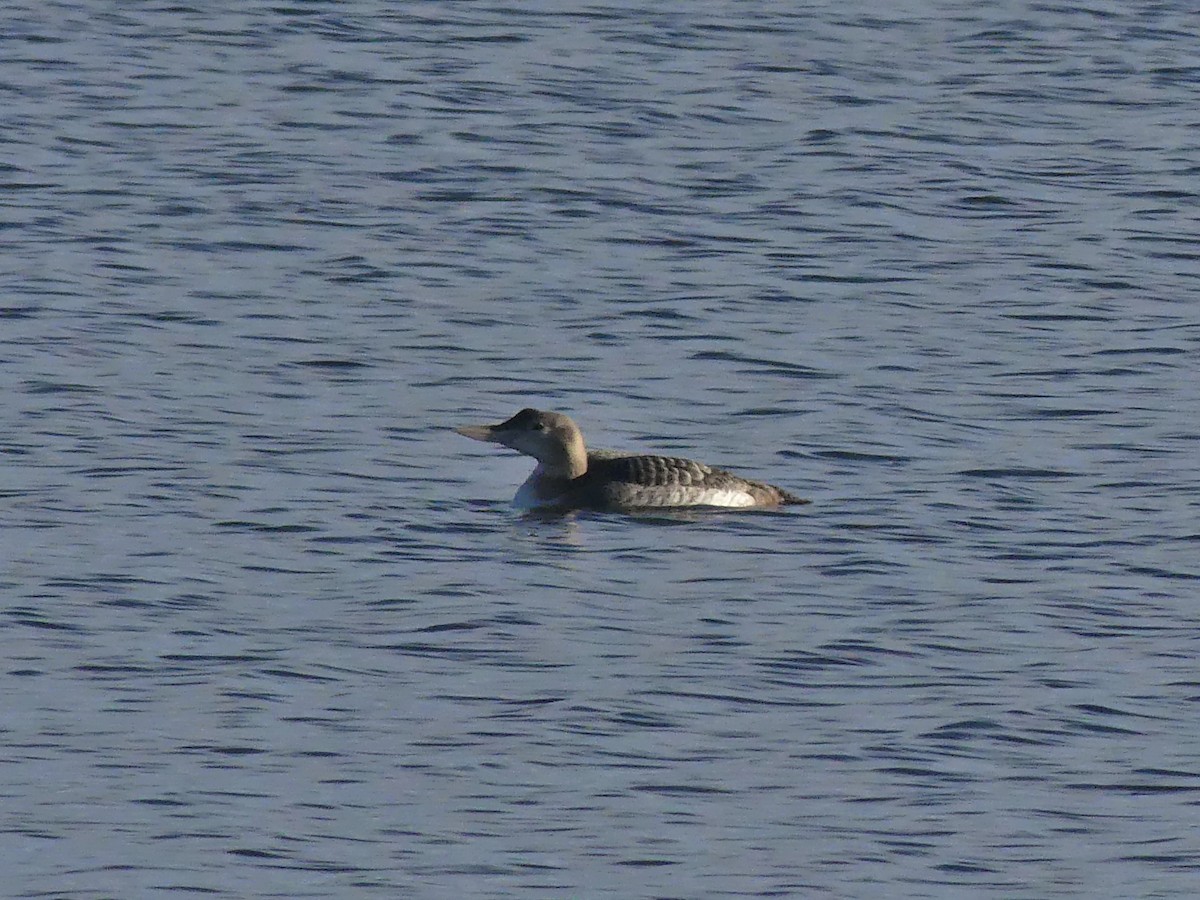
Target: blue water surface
[{"x": 269, "y": 628}]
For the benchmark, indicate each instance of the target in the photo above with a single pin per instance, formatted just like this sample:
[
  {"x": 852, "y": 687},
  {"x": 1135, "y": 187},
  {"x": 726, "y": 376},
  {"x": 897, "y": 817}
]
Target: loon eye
[{"x": 540, "y": 426}]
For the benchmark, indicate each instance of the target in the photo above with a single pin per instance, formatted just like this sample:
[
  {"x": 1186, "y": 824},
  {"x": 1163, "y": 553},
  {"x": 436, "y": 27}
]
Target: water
[{"x": 270, "y": 628}]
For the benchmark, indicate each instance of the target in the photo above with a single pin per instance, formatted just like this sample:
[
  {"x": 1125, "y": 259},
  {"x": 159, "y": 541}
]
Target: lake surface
[{"x": 271, "y": 629}]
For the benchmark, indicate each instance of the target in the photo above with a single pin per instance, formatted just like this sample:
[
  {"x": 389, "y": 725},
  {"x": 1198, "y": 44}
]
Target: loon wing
[{"x": 661, "y": 481}]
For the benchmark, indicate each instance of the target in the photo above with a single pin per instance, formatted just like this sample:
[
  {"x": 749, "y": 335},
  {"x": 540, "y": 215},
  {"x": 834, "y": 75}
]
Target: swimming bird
[{"x": 569, "y": 476}]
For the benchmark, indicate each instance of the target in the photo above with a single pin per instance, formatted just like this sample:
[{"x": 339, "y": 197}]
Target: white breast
[
  {"x": 682, "y": 495},
  {"x": 527, "y": 493}
]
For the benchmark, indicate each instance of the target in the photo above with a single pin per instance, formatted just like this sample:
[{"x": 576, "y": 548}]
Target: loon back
[
  {"x": 665, "y": 481},
  {"x": 568, "y": 476}
]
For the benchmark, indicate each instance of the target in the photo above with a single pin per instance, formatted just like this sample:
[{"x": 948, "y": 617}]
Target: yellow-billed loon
[{"x": 569, "y": 476}]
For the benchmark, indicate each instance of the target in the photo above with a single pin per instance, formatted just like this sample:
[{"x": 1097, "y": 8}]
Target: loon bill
[{"x": 569, "y": 476}]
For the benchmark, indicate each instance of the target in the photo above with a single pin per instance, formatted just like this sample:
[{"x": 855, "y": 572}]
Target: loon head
[{"x": 551, "y": 438}]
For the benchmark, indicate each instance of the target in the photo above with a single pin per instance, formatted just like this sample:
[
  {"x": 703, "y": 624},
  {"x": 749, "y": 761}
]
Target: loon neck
[
  {"x": 547, "y": 484},
  {"x": 569, "y": 459}
]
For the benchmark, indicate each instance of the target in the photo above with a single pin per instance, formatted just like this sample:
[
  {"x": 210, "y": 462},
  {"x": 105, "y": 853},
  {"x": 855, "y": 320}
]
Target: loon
[{"x": 569, "y": 476}]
